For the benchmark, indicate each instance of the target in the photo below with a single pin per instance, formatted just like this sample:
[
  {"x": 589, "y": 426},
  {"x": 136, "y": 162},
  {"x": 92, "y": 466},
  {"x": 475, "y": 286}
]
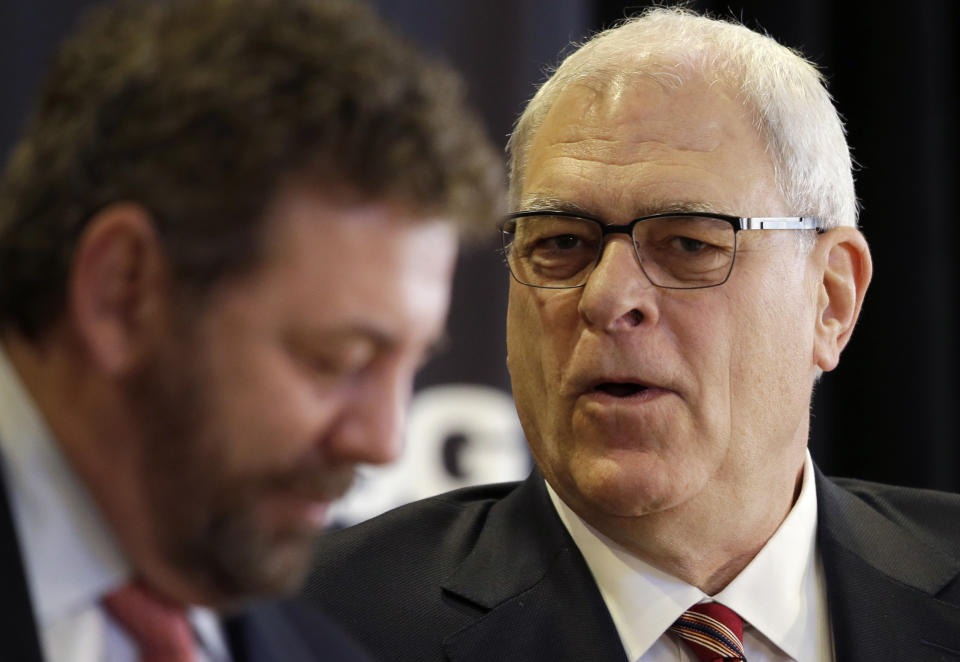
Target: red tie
[
  {"x": 158, "y": 626},
  {"x": 712, "y": 631}
]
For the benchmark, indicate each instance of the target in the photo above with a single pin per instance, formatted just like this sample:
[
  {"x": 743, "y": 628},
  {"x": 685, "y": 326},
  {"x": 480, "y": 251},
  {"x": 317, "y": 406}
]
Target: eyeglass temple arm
[{"x": 779, "y": 223}]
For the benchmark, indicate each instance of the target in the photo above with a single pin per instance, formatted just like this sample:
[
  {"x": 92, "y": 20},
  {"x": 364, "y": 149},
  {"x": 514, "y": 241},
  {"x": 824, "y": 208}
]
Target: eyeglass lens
[{"x": 683, "y": 251}]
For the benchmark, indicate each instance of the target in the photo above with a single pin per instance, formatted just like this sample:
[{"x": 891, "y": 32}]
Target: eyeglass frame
[{"x": 738, "y": 223}]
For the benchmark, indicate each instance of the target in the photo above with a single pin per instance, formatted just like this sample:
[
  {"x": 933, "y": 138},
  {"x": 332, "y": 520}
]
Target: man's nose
[
  {"x": 370, "y": 430},
  {"x": 618, "y": 293}
]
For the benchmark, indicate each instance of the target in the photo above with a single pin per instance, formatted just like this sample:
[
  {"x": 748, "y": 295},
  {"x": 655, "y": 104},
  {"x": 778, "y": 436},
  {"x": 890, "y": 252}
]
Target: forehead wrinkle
[
  {"x": 620, "y": 151},
  {"x": 638, "y": 131},
  {"x": 575, "y": 190},
  {"x": 592, "y": 155},
  {"x": 627, "y": 122},
  {"x": 618, "y": 134},
  {"x": 649, "y": 207}
]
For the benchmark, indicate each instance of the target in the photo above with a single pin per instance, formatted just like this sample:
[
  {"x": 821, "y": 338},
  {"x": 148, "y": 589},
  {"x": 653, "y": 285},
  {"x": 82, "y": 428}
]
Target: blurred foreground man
[
  {"x": 685, "y": 263},
  {"x": 226, "y": 244}
]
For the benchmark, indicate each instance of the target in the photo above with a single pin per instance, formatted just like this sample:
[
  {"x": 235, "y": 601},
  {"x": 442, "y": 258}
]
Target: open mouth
[{"x": 620, "y": 389}]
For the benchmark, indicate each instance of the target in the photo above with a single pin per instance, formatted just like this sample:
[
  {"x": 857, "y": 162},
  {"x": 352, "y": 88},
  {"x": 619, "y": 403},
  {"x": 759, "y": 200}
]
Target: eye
[
  {"x": 549, "y": 238},
  {"x": 564, "y": 242},
  {"x": 333, "y": 358},
  {"x": 689, "y": 244},
  {"x": 552, "y": 248},
  {"x": 687, "y": 236}
]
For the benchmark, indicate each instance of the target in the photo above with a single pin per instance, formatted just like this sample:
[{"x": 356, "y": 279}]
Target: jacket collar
[{"x": 537, "y": 596}]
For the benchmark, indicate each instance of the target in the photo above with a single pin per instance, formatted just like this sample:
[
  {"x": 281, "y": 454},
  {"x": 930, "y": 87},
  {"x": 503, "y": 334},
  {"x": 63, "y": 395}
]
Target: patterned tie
[
  {"x": 158, "y": 626},
  {"x": 712, "y": 631}
]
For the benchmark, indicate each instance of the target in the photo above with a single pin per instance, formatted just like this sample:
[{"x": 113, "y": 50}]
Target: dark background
[{"x": 889, "y": 412}]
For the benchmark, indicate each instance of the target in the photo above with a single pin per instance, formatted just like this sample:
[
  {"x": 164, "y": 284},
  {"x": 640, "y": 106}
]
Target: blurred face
[
  {"x": 635, "y": 399},
  {"x": 258, "y": 409}
]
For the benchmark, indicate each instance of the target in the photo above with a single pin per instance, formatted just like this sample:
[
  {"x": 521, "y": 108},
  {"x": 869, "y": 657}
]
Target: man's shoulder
[
  {"x": 439, "y": 523},
  {"x": 895, "y": 498},
  {"x": 890, "y": 550},
  {"x": 433, "y": 533},
  {"x": 930, "y": 515},
  {"x": 385, "y": 578}
]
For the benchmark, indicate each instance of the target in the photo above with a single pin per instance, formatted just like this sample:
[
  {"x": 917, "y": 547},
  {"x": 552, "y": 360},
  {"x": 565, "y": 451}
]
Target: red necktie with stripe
[
  {"x": 158, "y": 627},
  {"x": 712, "y": 631}
]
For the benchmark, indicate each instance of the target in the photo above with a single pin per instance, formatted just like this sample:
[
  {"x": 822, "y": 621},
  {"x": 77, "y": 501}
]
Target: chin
[
  {"x": 620, "y": 489},
  {"x": 286, "y": 568},
  {"x": 241, "y": 558}
]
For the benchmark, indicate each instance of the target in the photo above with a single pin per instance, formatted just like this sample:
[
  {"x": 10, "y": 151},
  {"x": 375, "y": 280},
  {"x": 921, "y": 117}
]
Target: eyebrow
[
  {"x": 551, "y": 203},
  {"x": 649, "y": 208},
  {"x": 680, "y": 207},
  {"x": 305, "y": 338},
  {"x": 381, "y": 339}
]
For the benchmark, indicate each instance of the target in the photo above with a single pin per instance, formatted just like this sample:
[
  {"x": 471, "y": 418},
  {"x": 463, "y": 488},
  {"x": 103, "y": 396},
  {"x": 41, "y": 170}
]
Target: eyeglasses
[{"x": 559, "y": 250}]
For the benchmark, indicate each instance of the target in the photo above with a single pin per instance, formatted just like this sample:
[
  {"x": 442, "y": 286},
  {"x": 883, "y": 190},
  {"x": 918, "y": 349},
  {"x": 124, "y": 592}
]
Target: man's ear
[
  {"x": 117, "y": 285},
  {"x": 843, "y": 259}
]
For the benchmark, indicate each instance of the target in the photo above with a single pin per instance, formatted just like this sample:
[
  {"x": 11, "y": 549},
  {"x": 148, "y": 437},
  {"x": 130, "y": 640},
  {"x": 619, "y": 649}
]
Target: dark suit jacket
[
  {"x": 287, "y": 631},
  {"x": 490, "y": 574}
]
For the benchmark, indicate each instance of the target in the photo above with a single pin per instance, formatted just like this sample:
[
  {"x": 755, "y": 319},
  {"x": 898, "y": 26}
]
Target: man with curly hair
[{"x": 226, "y": 244}]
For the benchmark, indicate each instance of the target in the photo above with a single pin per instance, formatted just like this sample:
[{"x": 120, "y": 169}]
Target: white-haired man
[{"x": 685, "y": 263}]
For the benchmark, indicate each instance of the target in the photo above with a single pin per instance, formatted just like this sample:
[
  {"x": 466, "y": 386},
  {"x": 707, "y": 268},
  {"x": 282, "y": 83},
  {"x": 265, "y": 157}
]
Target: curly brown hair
[{"x": 198, "y": 110}]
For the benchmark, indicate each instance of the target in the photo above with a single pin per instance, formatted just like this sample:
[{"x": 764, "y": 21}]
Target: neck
[
  {"x": 690, "y": 542},
  {"x": 84, "y": 411},
  {"x": 90, "y": 417}
]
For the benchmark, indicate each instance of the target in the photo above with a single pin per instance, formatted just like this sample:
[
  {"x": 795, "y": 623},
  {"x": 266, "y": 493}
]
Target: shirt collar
[
  {"x": 779, "y": 593},
  {"x": 69, "y": 553}
]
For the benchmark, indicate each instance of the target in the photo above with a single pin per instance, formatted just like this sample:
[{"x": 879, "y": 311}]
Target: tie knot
[
  {"x": 158, "y": 627},
  {"x": 712, "y": 631}
]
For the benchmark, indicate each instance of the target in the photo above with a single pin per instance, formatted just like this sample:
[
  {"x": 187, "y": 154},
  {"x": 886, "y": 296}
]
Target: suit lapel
[
  {"x": 533, "y": 590},
  {"x": 20, "y": 639},
  {"x": 882, "y": 584}
]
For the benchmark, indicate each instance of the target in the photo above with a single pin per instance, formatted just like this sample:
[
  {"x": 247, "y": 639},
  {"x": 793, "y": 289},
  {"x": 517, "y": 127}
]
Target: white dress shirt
[
  {"x": 781, "y": 594},
  {"x": 70, "y": 556}
]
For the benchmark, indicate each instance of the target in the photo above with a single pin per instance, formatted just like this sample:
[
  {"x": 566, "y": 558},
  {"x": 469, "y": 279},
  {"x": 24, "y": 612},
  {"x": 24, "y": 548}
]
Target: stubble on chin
[
  {"x": 218, "y": 530},
  {"x": 207, "y": 524},
  {"x": 245, "y": 554}
]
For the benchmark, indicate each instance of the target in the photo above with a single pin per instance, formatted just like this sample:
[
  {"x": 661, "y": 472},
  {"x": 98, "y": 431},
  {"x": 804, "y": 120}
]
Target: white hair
[{"x": 783, "y": 92}]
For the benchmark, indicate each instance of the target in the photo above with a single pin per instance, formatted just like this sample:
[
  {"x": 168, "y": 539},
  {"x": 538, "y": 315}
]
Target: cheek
[
  {"x": 706, "y": 332},
  {"x": 706, "y": 336},
  {"x": 773, "y": 352},
  {"x": 264, "y": 415},
  {"x": 541, "y": 327},
  {"x": 537, "y": 332},
  {"x": 523, "y": 324}
]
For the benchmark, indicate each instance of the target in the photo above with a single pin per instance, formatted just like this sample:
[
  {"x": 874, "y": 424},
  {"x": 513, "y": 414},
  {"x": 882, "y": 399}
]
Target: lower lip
[
  {"x": 640, "y": 397},
  {"x": 317, "y": 512}
]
